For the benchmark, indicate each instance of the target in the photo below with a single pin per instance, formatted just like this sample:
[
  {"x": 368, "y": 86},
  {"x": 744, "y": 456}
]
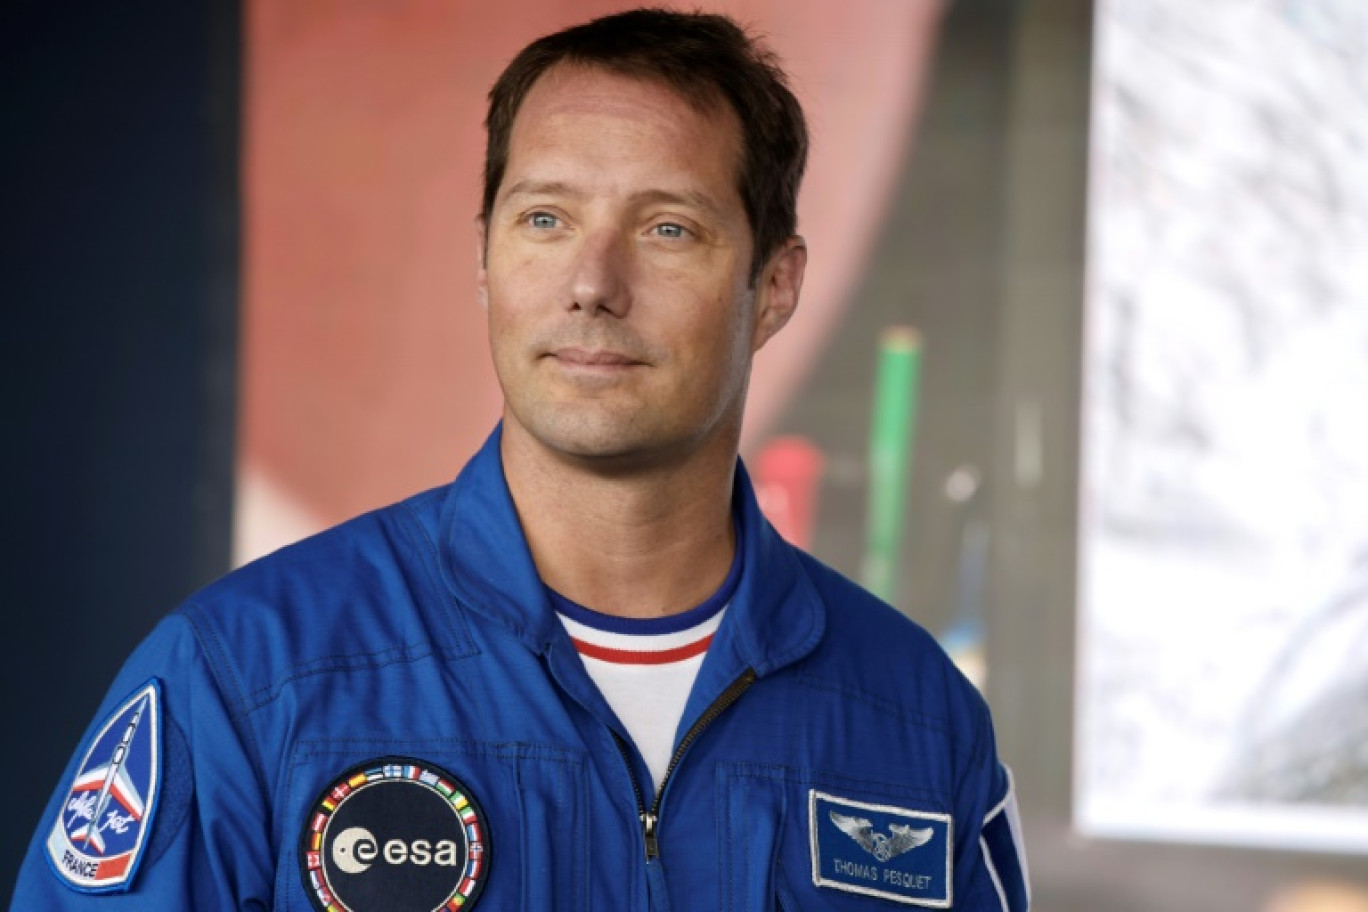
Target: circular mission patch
[{"x": 394, "y": 835}]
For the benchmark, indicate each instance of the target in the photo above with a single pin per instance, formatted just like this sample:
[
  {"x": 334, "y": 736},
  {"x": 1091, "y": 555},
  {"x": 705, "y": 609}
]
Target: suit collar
[{"x": 775, "y": 617}]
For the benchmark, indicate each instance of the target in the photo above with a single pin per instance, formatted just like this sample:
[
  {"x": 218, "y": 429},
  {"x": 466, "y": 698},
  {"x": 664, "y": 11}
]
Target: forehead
[
  {"x": 588, "y": 78},
  {"x": 575, "y": 108}
]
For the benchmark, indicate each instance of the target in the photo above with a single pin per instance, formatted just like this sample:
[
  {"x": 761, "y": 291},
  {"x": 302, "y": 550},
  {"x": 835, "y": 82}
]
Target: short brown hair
[{"x": 706, "y": 58}]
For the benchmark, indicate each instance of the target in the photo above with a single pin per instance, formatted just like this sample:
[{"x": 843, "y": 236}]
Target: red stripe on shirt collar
[{"x": 642, "y": 656}]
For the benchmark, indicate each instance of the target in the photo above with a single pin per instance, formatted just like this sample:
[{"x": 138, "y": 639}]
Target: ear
[
  {"x": 481, "y": 274},
  {"x": 776, "y": 292}
]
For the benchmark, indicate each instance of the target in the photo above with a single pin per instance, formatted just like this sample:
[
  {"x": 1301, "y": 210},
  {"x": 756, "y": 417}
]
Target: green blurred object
[{"x": 891, "y": 437}]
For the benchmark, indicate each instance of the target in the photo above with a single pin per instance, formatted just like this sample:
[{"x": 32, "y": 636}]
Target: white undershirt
[
  {"x": 645, "y": 667},
  {"x": 646, "y": 680},
  {"x": 645, "y": 677}
]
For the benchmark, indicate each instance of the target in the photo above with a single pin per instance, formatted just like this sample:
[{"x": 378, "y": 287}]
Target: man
[{"x": 587, "y": 674}]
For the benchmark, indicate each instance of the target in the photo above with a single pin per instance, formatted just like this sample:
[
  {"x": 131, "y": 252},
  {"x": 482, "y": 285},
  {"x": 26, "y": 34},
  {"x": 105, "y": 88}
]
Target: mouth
[{"x": 594, "y": 358}]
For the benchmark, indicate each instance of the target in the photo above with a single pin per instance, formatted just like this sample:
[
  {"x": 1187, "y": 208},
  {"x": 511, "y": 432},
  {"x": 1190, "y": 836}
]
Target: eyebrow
[
  {"x": 686, "y": 197},
  {"x": 538, "y": 187},
  {"x": 535, "y": 187}
]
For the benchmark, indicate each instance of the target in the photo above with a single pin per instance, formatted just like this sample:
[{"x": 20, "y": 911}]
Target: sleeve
[
  {"x": 991, "y": 871},
  {"x": 1002, "y": 848},
  {"x": 162, "y": 805}
]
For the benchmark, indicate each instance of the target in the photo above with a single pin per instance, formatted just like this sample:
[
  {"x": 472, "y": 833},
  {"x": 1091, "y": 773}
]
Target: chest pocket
[
  {"x": 393, "y": 825},
  {"x": 811, "y": 840}
]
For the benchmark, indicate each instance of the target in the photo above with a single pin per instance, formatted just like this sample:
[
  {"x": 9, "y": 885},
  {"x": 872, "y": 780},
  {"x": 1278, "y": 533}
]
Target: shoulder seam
[
  {"x": 407, "y": 517},
  {"x": 879, "y": 703},
  {"x": 216, "y": 658}
]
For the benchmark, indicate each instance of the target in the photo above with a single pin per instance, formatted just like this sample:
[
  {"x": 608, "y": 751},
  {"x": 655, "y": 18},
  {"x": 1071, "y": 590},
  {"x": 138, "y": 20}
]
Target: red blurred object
[{"x": 787, "y": 473}]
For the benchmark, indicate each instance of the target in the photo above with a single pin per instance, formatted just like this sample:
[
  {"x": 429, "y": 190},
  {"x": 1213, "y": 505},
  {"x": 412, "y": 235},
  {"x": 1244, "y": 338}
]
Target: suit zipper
[{"x": 650, "y": 819}]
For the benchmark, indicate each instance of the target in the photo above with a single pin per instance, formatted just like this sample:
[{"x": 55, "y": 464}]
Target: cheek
[
  {"x": 513, "y": 292},
  {"x": 520, "y": 271},
  {"x": 720, "y": 352},
  {"x": 505, "y": 334},
  {"x": 735, "y": 332}
]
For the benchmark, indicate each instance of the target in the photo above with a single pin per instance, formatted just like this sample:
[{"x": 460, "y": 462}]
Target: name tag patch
[{"x": 881, "y": 850}]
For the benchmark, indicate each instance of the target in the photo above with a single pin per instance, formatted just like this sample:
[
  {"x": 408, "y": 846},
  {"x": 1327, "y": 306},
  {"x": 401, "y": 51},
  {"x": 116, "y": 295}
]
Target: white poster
[{"x": 1223, "y": 598}]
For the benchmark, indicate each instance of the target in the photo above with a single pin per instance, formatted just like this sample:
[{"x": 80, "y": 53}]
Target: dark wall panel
[{"x": 119, "y": 287}]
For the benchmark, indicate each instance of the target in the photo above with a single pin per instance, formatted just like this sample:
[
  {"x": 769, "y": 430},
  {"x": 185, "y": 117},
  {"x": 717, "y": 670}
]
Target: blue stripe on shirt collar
[{"x": 673, "y": 623}]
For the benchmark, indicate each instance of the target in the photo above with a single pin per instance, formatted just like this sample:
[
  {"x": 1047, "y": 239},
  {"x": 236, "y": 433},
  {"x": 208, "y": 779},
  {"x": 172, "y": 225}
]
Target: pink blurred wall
[{"x": 365, "y": 373}]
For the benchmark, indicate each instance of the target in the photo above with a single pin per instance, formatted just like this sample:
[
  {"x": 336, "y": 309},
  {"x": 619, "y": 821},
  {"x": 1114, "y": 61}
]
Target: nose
[{"x": 599, "y": 281}]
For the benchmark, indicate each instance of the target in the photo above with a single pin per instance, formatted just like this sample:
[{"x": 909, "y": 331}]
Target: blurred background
[{"x": 1079, "y": 380}]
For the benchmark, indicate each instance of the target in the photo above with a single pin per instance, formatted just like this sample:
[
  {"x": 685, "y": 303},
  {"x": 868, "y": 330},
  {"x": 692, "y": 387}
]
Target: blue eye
[
  {"x": 543, "y": 220},
  {"x": 670, "y": 230}
]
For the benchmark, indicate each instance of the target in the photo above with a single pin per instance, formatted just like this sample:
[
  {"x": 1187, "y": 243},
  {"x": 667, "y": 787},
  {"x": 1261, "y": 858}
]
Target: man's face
[{"x": 615, "y": 267}]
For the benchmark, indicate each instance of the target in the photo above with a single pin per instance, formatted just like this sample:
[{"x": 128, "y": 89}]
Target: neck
[{"x": 647, "y": 542}]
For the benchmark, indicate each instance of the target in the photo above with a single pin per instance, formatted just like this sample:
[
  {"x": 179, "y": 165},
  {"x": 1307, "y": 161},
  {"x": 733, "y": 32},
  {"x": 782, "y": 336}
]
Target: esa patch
[
  {"x": 105, "y": 819},
  {"x": 394, "y": 835},
  {"x": 880, "y": 850}
]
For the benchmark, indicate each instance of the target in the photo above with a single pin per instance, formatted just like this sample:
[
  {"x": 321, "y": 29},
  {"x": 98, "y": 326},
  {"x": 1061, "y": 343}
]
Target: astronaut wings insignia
[
  {"x": 889, "y": 833},
  {"x": 901, "y": 839}
]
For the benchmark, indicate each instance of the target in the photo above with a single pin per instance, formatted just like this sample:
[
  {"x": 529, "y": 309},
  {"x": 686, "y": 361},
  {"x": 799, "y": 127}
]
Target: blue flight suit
[{"x": 831, "y": 756}]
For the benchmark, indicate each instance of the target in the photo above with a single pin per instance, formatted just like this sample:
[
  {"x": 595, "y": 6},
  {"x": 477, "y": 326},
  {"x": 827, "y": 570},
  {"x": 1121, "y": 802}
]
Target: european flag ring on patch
[
  {"x": 103, "y": 823},
  {"x": 881, "y": 850}
]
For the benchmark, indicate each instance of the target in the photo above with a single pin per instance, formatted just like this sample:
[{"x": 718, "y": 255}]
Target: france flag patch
[
  {"x": 881, "y": 850},
  {"x": 103, "y": 822}
]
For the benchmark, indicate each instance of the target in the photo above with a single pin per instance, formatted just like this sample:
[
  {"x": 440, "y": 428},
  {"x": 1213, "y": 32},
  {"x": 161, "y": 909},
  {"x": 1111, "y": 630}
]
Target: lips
[{"x": 586, "y": 357}]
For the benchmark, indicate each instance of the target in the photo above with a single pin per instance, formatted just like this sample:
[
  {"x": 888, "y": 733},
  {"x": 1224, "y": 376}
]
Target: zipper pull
[{"x": 648, "y": 830}]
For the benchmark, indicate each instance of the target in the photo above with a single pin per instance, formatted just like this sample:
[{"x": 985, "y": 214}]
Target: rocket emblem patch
[{"x": 103, "y": 822}]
